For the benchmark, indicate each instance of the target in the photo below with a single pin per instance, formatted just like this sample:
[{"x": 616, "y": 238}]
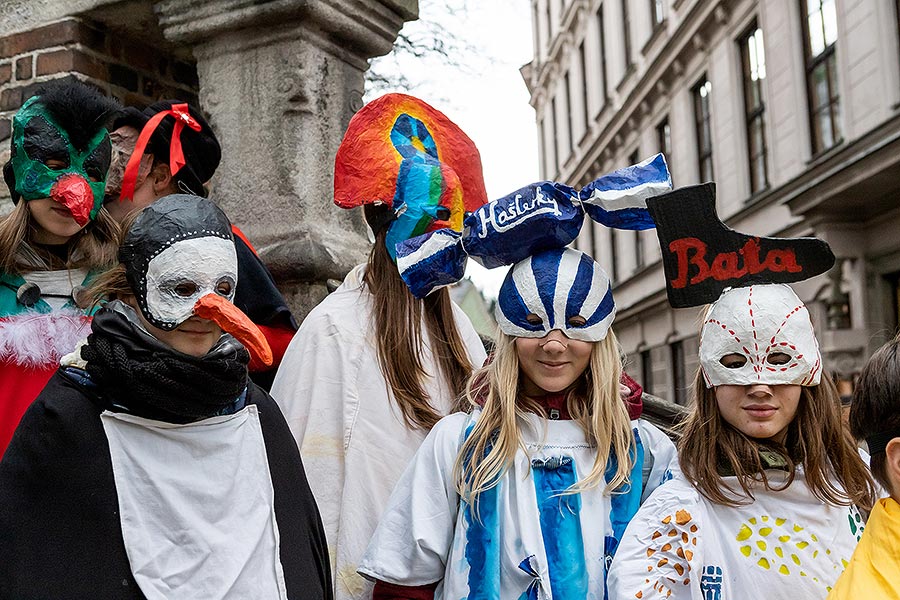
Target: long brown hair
[
  {"x": 94, "y": 247},
  {"x": 109, "y": 285},
  {"x": 399, "y": 339},
  {"x": 816, "y": 439},
  {"x": 593, "y": 401}
]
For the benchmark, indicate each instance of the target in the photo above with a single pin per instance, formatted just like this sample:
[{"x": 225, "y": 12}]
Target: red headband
[{"x": 176, "y": 154}]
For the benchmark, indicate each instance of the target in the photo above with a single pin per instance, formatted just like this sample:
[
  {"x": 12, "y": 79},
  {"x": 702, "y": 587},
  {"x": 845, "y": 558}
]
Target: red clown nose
[{"x": 74, "y": 192}]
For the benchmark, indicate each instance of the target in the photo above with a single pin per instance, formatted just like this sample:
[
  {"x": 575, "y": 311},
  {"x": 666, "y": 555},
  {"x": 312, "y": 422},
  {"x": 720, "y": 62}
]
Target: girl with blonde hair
[
  {"x": 773, "y": 487},
  {"x": 56, "y": 239},
  {"x": 528, "y": 495}
]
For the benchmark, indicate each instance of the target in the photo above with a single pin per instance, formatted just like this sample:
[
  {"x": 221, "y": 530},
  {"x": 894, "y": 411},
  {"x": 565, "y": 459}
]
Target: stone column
[{"x": 280, "y": 80}]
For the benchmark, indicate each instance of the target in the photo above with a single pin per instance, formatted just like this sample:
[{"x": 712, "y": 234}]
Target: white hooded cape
[{"x": 351, "y": 433}]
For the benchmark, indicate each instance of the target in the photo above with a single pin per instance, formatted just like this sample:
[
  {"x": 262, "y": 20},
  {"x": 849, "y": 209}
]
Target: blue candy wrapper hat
[
  {"x": 541, "y": 216},
  {"x": 550, "y": 287}
]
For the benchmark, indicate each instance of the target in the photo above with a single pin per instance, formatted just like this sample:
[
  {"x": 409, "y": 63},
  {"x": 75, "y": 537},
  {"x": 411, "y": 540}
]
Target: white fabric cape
[
  {"x": 190, "y": 532},
  {"x": 786, "y": 545},
  {"x": 527, "y": 545},
  {"x": 352, "y": 436}
]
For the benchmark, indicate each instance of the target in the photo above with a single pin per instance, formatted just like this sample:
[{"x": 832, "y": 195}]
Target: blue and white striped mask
[{"x": 556, "y": 289}]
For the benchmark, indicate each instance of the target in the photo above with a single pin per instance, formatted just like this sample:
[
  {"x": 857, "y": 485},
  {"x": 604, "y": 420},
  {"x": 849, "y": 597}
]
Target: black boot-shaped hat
[{"x": 702, "y": 257}]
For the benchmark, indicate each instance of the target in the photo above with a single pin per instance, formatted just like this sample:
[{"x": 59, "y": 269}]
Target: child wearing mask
[
  {"x": 772, "y": 489},
  {"x": 55, "y": 240}
]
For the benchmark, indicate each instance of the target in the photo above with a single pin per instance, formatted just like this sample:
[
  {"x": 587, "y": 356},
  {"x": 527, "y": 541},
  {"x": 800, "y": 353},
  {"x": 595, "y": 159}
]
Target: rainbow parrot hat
[{"x": 401, "y": 152}]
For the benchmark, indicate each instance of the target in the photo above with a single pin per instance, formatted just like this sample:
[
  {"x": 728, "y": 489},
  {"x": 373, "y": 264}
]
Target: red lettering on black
[
  {"x": 783, "y": 260},
  {"x": 682, "y": 248},
  {"x": 691, "y": 251}
]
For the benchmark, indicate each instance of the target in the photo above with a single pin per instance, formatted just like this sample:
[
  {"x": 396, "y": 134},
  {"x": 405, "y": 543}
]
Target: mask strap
[{"x": 176, "y": 154}]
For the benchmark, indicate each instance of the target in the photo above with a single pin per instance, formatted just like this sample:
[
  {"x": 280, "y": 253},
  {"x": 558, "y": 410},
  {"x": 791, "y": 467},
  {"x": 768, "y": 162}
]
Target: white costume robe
[
  {"x": 351, "y": 433},
  {"x": 531, "y": 542},
  {"x": 786, "y": 545}
]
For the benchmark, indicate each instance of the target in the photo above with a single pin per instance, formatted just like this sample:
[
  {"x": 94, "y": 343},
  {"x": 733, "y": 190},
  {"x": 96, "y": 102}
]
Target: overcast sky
[{"x": 486, "y": 97}]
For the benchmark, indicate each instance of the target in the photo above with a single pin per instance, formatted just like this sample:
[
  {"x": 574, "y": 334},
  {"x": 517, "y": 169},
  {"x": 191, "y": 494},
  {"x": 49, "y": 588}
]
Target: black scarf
[{"x": 135, "y": 372}]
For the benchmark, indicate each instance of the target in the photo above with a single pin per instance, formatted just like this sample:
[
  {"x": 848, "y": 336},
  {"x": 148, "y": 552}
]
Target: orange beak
[{"x": 230, "y": 318}]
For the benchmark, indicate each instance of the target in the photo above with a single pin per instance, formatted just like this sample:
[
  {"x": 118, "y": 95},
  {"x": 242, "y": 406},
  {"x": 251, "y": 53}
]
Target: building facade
[{"x": 791, "y": 106}]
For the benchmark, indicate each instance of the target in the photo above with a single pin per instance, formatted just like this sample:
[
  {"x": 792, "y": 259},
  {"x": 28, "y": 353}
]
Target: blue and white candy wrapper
[
  {"x": 619, "y": 199},
  {"x": 537, "y": 217},
  {"x": 558, "y": 289},
  {"x": 431, "y": 261}
]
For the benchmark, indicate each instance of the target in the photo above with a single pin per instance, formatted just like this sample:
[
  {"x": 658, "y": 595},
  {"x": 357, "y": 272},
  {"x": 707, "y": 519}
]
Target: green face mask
[{"x": 79, "y": 183}]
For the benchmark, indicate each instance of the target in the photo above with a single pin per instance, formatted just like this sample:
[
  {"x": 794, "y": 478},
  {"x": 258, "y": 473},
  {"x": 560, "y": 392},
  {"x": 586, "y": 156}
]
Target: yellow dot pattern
[{"x": 775, "y": 544}]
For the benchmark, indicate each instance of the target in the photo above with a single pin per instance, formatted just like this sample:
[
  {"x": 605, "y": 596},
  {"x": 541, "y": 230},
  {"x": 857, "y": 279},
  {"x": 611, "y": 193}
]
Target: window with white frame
[
  {"x": 582, "y": 61},
  {"x": 647, "y": 371},
  {"x": 657, "y": 12},
  {"x": 664, "y": 137},
  {"x": 555, "y": 134},
  {"x": 702, "y": 93},
  {"x": 679, "y": 380},
  {"x": 753, "y": 71},
  {"x": 613, "y": 256},
  {"x": 626, "y": 33},
  {"x": 570, "y": 130},
  {"x": 820, "y": 37},
  {"x": 601, "y": 40}
]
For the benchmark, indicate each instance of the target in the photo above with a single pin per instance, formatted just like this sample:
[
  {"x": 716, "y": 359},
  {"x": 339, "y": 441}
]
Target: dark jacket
[{"x": 60, "y": 536}]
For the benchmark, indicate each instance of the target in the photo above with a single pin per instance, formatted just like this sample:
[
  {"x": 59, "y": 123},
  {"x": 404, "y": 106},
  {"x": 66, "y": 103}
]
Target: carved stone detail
[{"x": 280, "y": 80}]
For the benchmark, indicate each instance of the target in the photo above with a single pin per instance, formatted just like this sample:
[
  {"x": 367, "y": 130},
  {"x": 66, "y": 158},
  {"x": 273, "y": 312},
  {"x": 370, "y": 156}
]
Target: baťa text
[{"x": 691, "y": 251}]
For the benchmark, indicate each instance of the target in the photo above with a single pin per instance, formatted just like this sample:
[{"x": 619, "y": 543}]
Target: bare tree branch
[{"x": 437, "y": 38}]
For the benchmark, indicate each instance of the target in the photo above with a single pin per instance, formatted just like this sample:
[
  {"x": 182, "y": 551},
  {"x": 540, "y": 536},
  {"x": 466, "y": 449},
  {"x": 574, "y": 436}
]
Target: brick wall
[{"x": 134, "y": 72}]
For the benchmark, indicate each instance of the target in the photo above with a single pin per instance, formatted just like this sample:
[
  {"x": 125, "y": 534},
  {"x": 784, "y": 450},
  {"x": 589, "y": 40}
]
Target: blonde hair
[
  {"x": 94, "y": 247},
  {"x": 593, "y": 401}
]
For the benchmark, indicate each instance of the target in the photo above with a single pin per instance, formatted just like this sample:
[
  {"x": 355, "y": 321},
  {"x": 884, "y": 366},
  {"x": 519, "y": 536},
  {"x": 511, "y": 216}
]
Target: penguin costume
[{"x": 146, "y": 471}]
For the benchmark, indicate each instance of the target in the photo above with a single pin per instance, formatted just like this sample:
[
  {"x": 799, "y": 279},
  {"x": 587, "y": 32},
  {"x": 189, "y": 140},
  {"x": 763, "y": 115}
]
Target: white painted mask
[
  {"x": 186, "y": 271},
  {"x": 770, "y": 328}
]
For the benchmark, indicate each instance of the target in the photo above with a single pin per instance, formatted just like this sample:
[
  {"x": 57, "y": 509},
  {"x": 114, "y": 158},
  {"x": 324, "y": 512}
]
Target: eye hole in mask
[
  {"x": 185, "y": 289},
  {"x": 778, "y": 358},
  {"x": 533, "y": 319},
  {"x": 56, "y": 164},
  {"x": 224, "y": 287},
  {"x": 576, "y": 321},
  {"x": 43, "y": 142},
  {"x": 733, "y": 361},
  {"x": 97, "y": 162},
  {"x": 94, "y": 174}
]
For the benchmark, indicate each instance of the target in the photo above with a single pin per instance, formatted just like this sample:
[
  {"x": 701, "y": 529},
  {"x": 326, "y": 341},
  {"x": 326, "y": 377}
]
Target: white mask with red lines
[{"x": 759, "y": 334}]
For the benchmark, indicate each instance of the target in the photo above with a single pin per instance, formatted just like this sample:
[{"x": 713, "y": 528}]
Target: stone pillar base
[{"x": 280, "y": 80}]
